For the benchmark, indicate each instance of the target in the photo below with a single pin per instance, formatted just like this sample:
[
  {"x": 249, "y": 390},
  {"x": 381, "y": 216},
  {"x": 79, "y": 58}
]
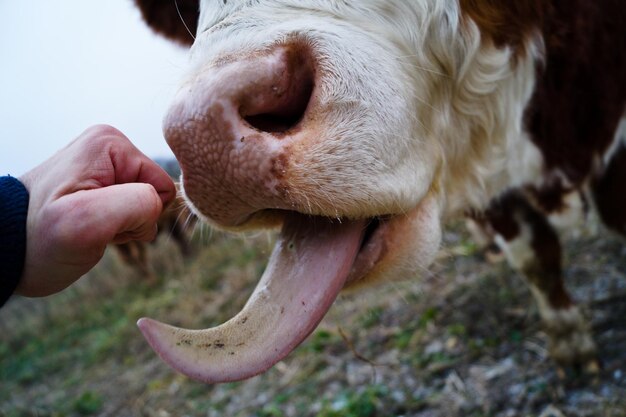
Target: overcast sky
[{"x": 69, "y": 64}]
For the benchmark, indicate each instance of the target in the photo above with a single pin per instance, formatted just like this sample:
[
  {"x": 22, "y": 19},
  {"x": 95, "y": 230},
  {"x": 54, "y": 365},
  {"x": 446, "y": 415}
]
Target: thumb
[
  {"x": 136, "y": 212},
  {"x": 114, "y": 214}
]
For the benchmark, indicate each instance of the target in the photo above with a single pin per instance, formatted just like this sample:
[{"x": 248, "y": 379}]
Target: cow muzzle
[{"x": 240, "y": 129}]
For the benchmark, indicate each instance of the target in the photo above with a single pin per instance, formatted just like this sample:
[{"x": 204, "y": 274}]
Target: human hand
[{"x": 99, "y": 189}]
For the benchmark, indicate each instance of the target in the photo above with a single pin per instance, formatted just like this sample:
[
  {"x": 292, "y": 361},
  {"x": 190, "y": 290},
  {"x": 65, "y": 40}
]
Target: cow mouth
[{"x": 313, "y": 259}]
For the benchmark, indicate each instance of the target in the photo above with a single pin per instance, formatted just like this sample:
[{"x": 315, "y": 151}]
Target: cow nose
[{"x": 231, "y": 128}]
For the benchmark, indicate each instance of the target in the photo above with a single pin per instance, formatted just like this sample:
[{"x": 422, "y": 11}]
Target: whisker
[
  {"x": 426, "y": 103},
  {"x": 422, "y": 124},
  {"x": 190, "y": 217},
  {"x": 432, "y": 71},
  {"x": 178, "y": 216},
  {"x": 183, "y": 20}
]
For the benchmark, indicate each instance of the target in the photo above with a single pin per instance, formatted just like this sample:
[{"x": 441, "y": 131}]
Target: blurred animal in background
[
  {"x": 362, "y": 127},
  {"x": 177, "y": 224}
]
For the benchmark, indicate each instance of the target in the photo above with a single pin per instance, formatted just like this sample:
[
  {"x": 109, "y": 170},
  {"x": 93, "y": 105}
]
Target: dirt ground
[{"x": 462, "y": 340}]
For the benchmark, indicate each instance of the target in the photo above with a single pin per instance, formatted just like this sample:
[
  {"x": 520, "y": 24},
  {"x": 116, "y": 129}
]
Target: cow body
[
  {"x": 573, "y": 119},
  {"x": 401, "y": 115}
]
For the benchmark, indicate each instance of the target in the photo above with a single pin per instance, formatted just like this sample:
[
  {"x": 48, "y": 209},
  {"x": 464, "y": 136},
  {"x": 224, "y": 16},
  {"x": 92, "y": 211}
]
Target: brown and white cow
[{"x": 361, "y": 127}]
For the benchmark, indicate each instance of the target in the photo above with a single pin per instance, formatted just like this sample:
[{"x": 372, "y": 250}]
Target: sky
[{"x": 66, "y": 65}]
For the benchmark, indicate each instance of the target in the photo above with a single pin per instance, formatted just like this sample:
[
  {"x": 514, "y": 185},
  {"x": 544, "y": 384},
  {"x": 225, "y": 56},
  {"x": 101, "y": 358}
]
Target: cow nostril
[
  {"x": 274, "y": 123},
  {"x": 287, "y": 114},
  {"x": 284, "y": 103}
]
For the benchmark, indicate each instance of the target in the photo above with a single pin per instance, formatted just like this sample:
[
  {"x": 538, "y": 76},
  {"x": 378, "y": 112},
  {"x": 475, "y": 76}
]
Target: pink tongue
[{"x": 306, "y": 271}]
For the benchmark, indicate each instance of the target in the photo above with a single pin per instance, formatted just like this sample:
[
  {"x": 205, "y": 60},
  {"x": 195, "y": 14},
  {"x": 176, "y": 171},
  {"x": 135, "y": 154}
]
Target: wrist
[{"x": 13, "y": 212}]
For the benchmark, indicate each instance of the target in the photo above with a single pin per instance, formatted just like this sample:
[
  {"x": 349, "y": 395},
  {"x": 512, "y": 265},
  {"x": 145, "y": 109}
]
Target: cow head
[{"x": 356, "y": 126}]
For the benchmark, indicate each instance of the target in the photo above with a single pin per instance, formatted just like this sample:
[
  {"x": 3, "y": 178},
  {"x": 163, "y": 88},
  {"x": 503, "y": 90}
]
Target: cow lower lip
[
  {"x": 372, "y": 225},
  {"x": 373, "y": 248}
]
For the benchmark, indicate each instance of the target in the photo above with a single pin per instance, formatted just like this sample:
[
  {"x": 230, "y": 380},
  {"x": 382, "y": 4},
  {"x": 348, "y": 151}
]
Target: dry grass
[{"x": 458, "y": 342}]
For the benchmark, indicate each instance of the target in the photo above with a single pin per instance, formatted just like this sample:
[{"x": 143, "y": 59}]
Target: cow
[
  {"x": 361, "y": 127},
  {"x": 176, "y": 222}
]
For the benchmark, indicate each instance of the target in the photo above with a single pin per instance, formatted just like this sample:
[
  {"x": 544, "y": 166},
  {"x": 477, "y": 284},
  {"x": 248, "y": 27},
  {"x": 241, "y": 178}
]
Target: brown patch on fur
[
  {"x": 609, "y": 192},
  {"x": 581, "y": 88},
  {"x": 579, "y": 98},
  {"x": 581, "y": 92},
  {"x": 547, "y": 249},
  {"x": 163, "y": 17},
  {"x": 549, "y": 197},
  {"x": 506, "y": 22},
  {"x": 500, "y": 216},
  {"x": 505, "y": 215}
]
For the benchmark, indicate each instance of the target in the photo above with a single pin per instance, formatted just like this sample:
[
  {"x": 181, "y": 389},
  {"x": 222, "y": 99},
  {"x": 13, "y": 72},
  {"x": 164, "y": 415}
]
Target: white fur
[
  {"x": 569, "y": 219},
  {"x": 618, "y": 140},
  {"x": 570, "y": 337}
]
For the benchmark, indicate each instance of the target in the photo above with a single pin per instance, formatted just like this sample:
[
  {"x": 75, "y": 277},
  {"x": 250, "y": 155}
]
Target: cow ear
[{"x": 174, "y": 19}]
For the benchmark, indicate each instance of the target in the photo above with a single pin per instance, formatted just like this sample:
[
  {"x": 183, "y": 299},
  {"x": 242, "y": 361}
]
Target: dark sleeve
[{"x": 13, "y": 210}]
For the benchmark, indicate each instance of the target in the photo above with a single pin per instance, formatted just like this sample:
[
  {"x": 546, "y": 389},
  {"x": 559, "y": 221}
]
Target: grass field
[{"x": 463, "y": 340}]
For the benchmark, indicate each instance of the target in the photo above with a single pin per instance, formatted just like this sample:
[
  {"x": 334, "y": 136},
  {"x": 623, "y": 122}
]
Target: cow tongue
[{"x": 307, "y": 269}]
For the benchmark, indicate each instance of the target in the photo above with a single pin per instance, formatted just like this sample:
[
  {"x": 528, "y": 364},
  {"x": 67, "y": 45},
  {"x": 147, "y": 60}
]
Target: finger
[
  {"x": 113, "y": 159},
  {"x": 131, "y": 165},
  {"x": 151, "y": 173}
]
